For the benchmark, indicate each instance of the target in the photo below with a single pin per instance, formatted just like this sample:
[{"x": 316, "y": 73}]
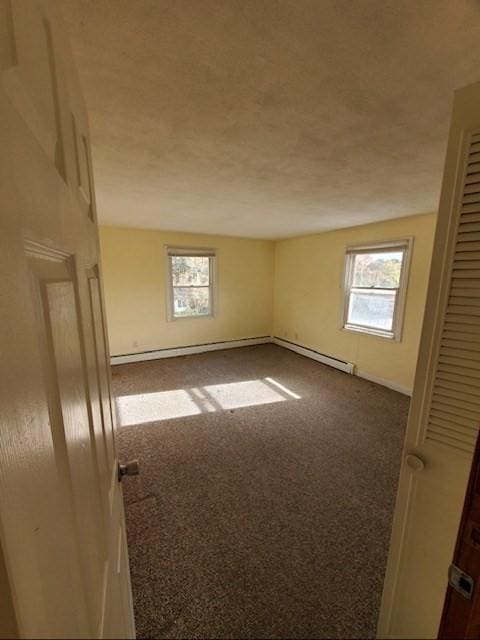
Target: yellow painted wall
[
  {"x": 134, "y": 272},
  {"x": 308, "y": 296},
  {"x": 291, "y": 288}
]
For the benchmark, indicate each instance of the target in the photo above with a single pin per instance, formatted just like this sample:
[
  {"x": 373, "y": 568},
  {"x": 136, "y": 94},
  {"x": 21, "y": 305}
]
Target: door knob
[
  {"x": 414, "y": 462},
  {"x": 131, "y": 468}
]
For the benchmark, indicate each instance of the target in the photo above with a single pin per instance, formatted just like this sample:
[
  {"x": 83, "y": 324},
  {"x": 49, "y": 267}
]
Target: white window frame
[
  {"x": 201, "y": 252},
  {"x": 405, "y": 245}
]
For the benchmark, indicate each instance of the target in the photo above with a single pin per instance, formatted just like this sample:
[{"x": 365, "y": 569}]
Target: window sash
[
  {"x": 191, "y": 253},
  {"x": 373, "y": 327},
  {"x": 386, "y": 247},
  {"x": 193, "y": 315},
  {"x": 173, "y": 252},
  {"x": 353, "y": 287},
  {"x": 191, "y": 286},
  {"x": 402, "y": 247}
]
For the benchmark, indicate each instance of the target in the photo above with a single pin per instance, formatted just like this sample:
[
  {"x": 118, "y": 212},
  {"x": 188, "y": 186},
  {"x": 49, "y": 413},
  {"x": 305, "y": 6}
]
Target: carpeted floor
[{"x": 266, "y": 520}]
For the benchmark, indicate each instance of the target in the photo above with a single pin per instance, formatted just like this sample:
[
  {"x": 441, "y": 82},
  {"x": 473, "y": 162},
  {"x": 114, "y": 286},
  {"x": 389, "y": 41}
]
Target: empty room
[{"x": 240, "y": 247}]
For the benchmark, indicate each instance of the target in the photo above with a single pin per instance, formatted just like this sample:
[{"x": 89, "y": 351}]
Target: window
[
  {"x": 191, "y": 280},
  {"x": 375, "y": 285}
]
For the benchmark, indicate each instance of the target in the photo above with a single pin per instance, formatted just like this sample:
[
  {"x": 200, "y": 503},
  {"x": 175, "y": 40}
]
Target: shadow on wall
[{"x": 178, "y": 403}]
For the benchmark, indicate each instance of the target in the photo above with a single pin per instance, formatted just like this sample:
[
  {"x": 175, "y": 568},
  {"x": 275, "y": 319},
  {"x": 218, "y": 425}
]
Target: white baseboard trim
[
  {"x": 185, "y": 351},
  {"x": 346, "y": 367},
  {"x": 384, "y": 382}
]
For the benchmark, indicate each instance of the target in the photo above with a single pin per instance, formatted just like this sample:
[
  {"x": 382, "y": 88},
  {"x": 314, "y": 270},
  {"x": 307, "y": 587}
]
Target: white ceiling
[{"x": 270, "y": 118}]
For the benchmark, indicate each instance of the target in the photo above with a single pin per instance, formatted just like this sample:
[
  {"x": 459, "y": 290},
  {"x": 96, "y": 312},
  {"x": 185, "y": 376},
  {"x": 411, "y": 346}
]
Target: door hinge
[{"x": 460, "y": 581}]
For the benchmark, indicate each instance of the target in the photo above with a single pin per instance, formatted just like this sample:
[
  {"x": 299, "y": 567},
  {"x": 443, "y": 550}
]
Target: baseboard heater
[
  {"x": 173, "y": 352},
  {"x": 346, "y": 367},
  {"x": 342, "y": 365}
]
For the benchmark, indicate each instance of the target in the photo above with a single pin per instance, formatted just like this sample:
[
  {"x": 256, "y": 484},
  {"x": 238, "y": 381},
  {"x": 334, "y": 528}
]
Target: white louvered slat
[
  {"x": 470, "y": 218},
  {"x": 468, "y": 236},
  {"x": 470, "y": 208},
  {"x": 461, "y": 289},
  {"x": 474, "y": 167},
  {"x": 457, "y": 398},
  {"x": 446, "y": 437},
  {"x": 471, "y": 265},
  {"x": 469, "y": 226},
  {"x": 457, "y": 380},
  {"x": 465, "y": 310},
  {"x": 461, "y": 340},
  {"x": 472, "y": 178},
  {"x": 458, "y": 332},
  {"x": 468, "y": 246},
  {"x": 465, "y": 285},
  {"x": 466, "y": 273},
  {"x": 472, "y": 188},
  {"x": 448, "y": 432},
  {"x": 459, "y": 345},
  {"x": 461, "y": 320},
  {"x": 448, "y": 360},
  {"x": 468, "y": 302},
  {"x": 455, "y": 406},
  {"x": 454, "y": 392},
  {"x": 454, "y": 411},
  {"x": 459, "y": 367},
  {"x": 460, "y": 415},
  {"x": 465, "y": 263},
  {"x": 470, "y": 198},
  {"x": 467, "y": 255}
]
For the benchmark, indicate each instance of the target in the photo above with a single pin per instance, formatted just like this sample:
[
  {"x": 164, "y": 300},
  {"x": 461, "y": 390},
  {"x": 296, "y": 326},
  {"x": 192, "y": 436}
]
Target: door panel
[
  {"x": 70, "y": 424},
  {"x": 104, "y": 453},
  {"x": 62, "y": 534},
  {"x": 433, "y": 498},
  {"x": 101, "y": 361},
  {"x": 117, "y": 618},
  {"x": 445, "y": 410}
]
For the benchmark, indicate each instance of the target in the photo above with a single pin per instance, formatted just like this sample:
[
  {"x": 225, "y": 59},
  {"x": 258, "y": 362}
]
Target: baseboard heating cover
[
  {"x": 185, "y": 351},
  {"x": 347, "y": 367}
]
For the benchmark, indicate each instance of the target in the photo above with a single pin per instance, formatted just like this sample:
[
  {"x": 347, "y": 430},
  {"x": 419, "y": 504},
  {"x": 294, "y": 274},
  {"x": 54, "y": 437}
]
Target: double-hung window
[
  {"x": 190, "y": 282},
  {"x": 375, "y": 288}
]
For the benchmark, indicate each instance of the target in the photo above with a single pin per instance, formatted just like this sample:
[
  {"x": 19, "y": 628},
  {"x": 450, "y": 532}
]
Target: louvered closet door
[
  {"x": 445, "y": 412},
  {"x": 455, "y": 406}
]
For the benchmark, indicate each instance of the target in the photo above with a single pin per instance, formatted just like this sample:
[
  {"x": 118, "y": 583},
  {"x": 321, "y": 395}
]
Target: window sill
[
  {"x": 371, "y": 332},
  {"x": 210, "y": 316}
]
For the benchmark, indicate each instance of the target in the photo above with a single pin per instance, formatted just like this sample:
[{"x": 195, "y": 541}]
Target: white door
[
  {"x": 445, "y": 412},
  {"x": 63, "y": 555}
]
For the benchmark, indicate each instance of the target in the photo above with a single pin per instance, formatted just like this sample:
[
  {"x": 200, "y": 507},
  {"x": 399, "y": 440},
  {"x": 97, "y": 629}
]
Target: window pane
[
  {"x": 372, "y": 309},
  {"x": 377, "y": 269},
  {"x": 189, "y": 270},
  {"x": 191, "y": 301}
]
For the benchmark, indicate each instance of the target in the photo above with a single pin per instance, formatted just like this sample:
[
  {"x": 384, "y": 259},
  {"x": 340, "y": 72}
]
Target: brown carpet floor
[{"x": 265, "y": 521}]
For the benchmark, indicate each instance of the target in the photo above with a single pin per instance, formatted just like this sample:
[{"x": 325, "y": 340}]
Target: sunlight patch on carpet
[{"x": 178, "y": 403}]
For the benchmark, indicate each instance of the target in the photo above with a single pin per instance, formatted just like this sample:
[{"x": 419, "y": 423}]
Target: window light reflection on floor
[{"x": 178, "y": 403}]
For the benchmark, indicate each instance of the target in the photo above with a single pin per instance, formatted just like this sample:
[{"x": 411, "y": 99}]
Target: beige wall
[
  {"x": 308, "y": 296},
  {"x": 134, "y": 271},
  {"x": 291, "y": 289}
]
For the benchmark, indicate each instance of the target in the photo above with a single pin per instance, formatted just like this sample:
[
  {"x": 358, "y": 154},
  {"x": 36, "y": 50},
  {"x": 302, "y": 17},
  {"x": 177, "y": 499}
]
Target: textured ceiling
[{"x": 270, "y": 118}]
